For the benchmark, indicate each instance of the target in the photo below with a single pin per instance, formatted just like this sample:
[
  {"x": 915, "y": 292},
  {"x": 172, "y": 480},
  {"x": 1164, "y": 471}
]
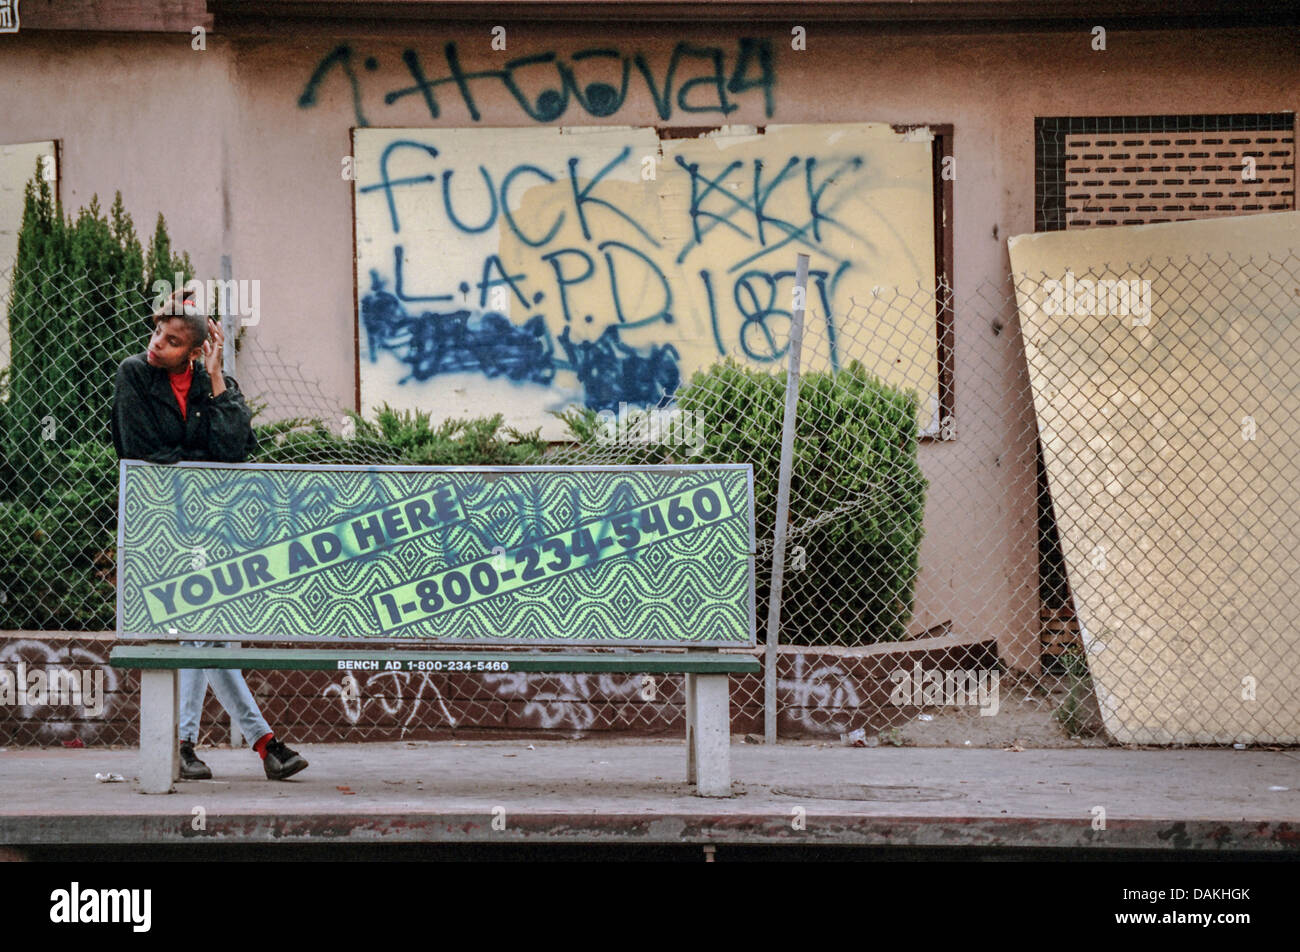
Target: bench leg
[
  {"x": 176, "y": 722},
  {"x": 712, "y": 735},
  {"x": 690, "y": 728},
  {"x": 236, "y": 733},
  {"x": 159, "y": 761}
]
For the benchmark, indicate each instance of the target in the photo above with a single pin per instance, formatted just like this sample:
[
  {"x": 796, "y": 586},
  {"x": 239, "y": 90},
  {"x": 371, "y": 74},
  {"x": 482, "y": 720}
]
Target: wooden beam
[
  {"x": 114, "y": 16},
  {"x": 254, "y": 16},
  {"x": 775, "y": 11}
]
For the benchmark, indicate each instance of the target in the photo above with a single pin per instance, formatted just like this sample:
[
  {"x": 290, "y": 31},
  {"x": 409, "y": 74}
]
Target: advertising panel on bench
[{"x": 591, "y": 555}]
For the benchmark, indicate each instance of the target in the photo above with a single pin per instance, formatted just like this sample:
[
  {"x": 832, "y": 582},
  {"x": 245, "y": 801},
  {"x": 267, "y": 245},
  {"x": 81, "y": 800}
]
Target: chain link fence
[{"x": 1084, "y": 527}]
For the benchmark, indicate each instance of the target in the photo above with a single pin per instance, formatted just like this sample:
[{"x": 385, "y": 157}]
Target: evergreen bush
[
  {"x": 79, "y": 302},
  {"x": 857, "y": 495}
]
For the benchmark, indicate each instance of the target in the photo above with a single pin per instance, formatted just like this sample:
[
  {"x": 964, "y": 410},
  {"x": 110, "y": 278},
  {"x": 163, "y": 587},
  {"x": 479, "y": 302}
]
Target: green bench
[{"x": 585, "y": 558}]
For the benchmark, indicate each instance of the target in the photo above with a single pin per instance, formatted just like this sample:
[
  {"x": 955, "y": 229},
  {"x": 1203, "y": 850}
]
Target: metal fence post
[
  {"x": 229, "y": 322},
  {"x": 783, "y": 498},
  {"x": 230, "y": 328}
]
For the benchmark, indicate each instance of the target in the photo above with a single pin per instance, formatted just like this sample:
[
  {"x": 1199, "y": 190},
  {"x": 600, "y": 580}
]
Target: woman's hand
[{"x": 212, "y": 348}]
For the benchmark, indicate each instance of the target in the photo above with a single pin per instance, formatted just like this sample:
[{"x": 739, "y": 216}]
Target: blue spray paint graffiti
[
  {"x": 611, "y": 371},
  {"x": 706, "y": 91},
  {"x": 456, "y": 341},
  {"x": 487, "y": 342}
]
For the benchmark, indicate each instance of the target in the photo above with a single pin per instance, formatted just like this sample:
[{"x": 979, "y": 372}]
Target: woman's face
[{"x": 169, "y": 345}]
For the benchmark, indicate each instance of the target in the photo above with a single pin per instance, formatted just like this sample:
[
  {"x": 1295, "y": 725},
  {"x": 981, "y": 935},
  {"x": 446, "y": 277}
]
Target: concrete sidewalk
[{"x": 632, "y": 792}]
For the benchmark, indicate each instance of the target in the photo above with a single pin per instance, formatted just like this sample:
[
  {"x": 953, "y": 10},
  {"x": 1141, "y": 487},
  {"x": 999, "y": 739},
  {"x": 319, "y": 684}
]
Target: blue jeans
[{"x": 231, "y": 689}]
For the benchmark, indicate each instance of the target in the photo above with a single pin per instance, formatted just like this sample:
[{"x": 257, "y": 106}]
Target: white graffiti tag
[
  {"x": 59, "y": 666},
  {"x": 816, "y": 697},
  {"x": 399, "y": 697}
]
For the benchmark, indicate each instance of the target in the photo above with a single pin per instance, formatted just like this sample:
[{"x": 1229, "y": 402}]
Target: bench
[{"x": 450, "y": 561}]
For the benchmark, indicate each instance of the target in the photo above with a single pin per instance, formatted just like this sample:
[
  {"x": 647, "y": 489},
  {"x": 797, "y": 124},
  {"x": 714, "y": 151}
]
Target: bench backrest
[{"x": 590, "y": 555}]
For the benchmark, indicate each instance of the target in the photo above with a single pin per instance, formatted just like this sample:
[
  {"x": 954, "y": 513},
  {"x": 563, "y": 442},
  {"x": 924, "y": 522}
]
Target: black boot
[
  {"x": 191, "y": 767},
  {"x": 280, "y": 761}
]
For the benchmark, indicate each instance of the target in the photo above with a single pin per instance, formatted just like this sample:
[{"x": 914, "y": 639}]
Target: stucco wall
[{"x": 223, "y": 143}]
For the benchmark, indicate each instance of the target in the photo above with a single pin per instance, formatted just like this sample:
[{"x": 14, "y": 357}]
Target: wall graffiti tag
[
  {"x": 525, "y": 270},
  {"x": 697, "y": 80}
]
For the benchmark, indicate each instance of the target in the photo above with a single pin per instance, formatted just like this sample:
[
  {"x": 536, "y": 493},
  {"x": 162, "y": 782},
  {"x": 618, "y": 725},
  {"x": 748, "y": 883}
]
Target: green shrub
[
  {"x": 80, "y": 299},
  {"x": 857, "y": 495},
  {"x": 60, "y": 548},
  {"x": 399, "y": 437},
  {"x": 1072, "y": 714}
]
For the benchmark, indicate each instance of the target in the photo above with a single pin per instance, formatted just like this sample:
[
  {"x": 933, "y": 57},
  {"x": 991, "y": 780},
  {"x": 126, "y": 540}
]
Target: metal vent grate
[
  {"x": 1135, "y": 170},
  {"x": 1137, "y": 179},
  {"x": 1094, "y": 171}
]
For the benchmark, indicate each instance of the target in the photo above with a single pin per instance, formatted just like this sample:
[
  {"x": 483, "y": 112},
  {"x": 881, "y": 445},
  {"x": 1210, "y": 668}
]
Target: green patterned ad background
[{"x": 597, "y": 555}]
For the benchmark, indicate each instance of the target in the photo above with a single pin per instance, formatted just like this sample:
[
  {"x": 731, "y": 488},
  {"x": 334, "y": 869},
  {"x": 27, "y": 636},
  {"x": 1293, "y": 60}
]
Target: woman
[{"x": 173, "y": 403}]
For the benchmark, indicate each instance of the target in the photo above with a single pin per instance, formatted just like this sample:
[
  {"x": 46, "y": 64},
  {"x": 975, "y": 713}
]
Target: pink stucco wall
[{"x": 218, "y": 142}]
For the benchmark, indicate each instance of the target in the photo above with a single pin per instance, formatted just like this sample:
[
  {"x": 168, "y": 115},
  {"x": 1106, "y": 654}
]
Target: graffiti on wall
[
  {"x": 576, "y": 702},
  {"x": 695, "y": 80},
  {"x": 523, "y": 271},
  {"x": 817, "y": 695},
  {"x": 403, "y": 695},
  {"x": 65, "y": 690}
]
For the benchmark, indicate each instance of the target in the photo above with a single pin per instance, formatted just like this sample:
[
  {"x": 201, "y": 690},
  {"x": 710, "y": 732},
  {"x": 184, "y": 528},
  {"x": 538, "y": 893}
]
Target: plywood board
[
  {"x": 1169, "y": 411},
  {"x": 525, "y": 270}
]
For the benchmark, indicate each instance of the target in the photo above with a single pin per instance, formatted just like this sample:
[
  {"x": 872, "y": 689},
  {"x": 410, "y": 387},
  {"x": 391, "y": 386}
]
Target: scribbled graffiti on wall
[
  {"x": 54, "y": 692},
  {"x": 696, "y": 80},
  {"x": 443, "y": 342},
  {"x": 522, "y": 271},
  {"x": 818, "y": 696},
  {"x": 819, "y": 693}
]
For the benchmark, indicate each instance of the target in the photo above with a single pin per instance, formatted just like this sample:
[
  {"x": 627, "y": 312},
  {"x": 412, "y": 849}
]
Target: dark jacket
[{"x": 147, "y": 422}]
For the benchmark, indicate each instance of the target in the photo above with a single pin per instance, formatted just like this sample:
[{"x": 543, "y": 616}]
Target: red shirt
[{"x": 181, "y": 385}]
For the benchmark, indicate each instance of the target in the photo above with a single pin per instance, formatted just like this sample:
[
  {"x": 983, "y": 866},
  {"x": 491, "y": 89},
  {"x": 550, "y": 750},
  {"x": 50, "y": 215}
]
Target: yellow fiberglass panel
[{"x": 1163, "y": 360}]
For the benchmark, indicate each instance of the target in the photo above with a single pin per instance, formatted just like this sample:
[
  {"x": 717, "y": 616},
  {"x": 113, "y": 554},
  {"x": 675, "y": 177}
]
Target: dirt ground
[{"x": 1025, "y": 718}]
